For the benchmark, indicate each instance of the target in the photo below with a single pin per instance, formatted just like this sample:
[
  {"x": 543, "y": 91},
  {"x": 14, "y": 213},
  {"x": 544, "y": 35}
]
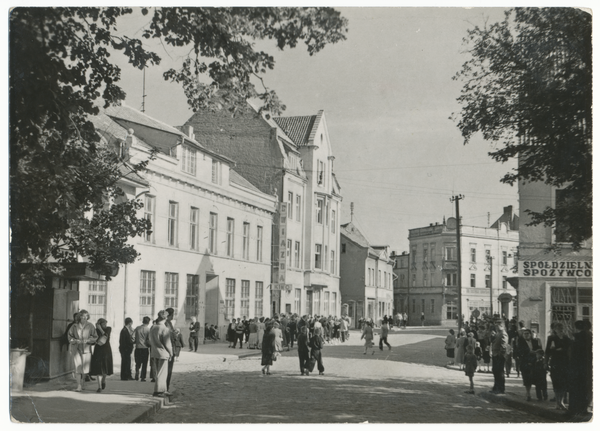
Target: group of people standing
[
  {"x": 159, "y": 344},
  {"x": 568, "y": 359}
]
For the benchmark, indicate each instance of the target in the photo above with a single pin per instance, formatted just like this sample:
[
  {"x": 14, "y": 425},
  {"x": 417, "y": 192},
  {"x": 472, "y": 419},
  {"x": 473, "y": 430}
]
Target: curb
[
  {"x": 529, "y": 407},
  {"x": 150, "y": 411}
]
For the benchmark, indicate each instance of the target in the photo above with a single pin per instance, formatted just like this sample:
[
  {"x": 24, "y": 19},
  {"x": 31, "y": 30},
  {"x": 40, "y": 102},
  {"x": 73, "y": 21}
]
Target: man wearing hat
[
  {"x": 499, "y": 348},
  {"x": 161, "y": 353}
]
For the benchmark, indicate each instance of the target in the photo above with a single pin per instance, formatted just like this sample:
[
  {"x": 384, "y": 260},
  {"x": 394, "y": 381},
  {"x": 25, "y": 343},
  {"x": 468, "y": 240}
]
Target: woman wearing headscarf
[
  {"x": 82, "y": 336},
  {"x": 102, "y": 361},
  {"x": 450, "y": 344},
  {"x": 268, "y": 349}
]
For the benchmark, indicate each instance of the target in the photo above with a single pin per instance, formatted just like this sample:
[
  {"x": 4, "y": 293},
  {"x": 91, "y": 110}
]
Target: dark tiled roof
[
  {"x": 127, "y": 113},
  {"x": 299, "y": 129},
  {"x": 352, "y": 233}
]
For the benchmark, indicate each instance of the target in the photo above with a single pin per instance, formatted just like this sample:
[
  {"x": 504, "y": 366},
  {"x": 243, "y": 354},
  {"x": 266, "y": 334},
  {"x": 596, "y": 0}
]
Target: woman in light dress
[
  {"x": 82, "y": 335},
  {"x": 261, "y": 331},
  {"x": 368, "y": 336}
]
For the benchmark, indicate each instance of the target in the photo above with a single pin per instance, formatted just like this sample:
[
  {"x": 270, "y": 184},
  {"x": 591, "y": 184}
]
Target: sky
[{"x": 387, "y": 92}]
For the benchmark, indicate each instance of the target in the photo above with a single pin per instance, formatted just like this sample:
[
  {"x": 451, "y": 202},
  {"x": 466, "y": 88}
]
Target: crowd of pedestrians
[{"x": 508, "y": 345}]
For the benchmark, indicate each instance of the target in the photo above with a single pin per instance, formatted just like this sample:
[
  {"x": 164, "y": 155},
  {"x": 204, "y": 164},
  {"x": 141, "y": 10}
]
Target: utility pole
[
  {"x": 456, "y": 199},
  {"x": 491, "y": 262}
]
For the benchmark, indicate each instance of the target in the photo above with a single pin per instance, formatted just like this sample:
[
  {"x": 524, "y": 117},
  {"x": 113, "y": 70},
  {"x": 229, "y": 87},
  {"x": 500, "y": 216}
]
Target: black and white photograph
[{"x": 270, "y": 214}]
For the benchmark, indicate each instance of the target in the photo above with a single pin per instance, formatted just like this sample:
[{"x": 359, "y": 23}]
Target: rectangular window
[
  {"x": 191, "y": 296},
  {"x": 451, "y": 279},
  {"x": 432, "y": 253},
  {"x": 172, "y": 223},
  {"x": 504, "y": 282},
  {"x": 171, "y": 289},
  {"x": 188, "y": 160},
  {"x": 414, "y": 280},
  {"x": 425, "y": 253},
  {"x": 147, "y": 289},
  {"x": 245, "y": 299},
  {"x": 298, "y": 207},
  {"x": 413, "y": 254},
  {"x": 297, "y": 254},
  {"x": 194, "y": 218},
  {"x": 326, "y": 304},
  {"x": 433, "y": 306},
  {"x": 487, "y": 281},
  {"x": 97, "y": 300},
  {"x": 333, "y": 263},
  {"x": 290, "y": 203},
  {"x": 504, "y": 257},
  {"x": 424, "y": 280},
  {"x": 473, "y": 255},
  {"x": 318, "y": 264},
  {"x": 297, "y": 299},
  {"x": 343, "y": 248},
  {"x": 212, "y": 233},
  {"x": 229, "y": 298},
  {"x": 258, "y": 299},
  {"x": 333, "y": 221},
  {"x": 230, "y": 233},
  {"x": 451, "y": 310},
  {"x": 414, "y": 301},
  {"x": 149, "y": 207},
  {"x": 216, "y": 172},
  {"x": 246, "y": 241},
  {"x": 451, "y": 253},
  {"x": 325, "y": 260},
  {"x": 320, "y": 205},
  {"x": 473, "y": 280},
  {"x": 320, "y": 172},
  {"x": 333, "y": 307},
  {"x": 288, "y": 252},
  {"x": 379, "y": 277},
  {"x": 259, "y": 243},
  {"x": 326, "y": 214},
  {"x": 488, "y": 255}
]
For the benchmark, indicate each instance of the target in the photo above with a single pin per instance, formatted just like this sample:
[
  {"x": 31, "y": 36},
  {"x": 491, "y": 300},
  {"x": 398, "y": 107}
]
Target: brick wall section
[{"x": 248, "y": 140}]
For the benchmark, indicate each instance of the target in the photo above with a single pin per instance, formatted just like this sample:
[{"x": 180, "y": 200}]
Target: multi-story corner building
[
  {"x": 367, "y": 273},
  {"x": 210, "y": 248},
  {"x": 554, "y": 285},
  {"x": 400, "y": 281},
  {"x": 488, "y": 257},
  {"x": 290, "y": 158}
]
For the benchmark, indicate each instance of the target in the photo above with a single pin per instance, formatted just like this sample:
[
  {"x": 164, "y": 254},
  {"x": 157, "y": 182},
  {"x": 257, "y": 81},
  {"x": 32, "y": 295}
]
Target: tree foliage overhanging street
[
  {"x": 528, "y": 88},
  {"x": 61, "y": 73}
]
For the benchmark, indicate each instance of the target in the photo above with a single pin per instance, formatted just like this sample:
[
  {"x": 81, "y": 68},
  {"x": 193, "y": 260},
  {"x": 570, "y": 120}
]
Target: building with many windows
[
  {"x": 367, "y": 274},
  {"x": 290, "y": 158},
  {"x": 488, "y": 257},
  {"x": 209, "y": 253},
  {"x": 400, "y": 281}
]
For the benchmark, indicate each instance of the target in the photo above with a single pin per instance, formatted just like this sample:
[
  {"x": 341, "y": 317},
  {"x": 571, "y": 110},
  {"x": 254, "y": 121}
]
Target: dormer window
[
  {"x": 216, "y": 172},
  {"x": 188, "y": 160}
]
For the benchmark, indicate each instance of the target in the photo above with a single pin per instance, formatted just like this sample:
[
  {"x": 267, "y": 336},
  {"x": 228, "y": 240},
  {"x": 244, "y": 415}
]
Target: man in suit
[
  {"x": 142, "y": 352},
  {"x": 161, "y": 353},
  {"x": 126, "y": 343},
  {"x": 499, "y": 348}
]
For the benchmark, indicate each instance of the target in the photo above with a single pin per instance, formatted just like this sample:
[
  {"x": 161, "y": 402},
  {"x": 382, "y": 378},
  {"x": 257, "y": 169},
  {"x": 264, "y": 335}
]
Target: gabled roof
[
  {"x": 352, "y": 233},
  {"x": 301, "y": 130}
]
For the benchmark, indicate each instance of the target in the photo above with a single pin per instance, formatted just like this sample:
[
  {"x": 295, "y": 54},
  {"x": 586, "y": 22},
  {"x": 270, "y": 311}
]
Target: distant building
[
  {"x": 554, "y": 286},
  {"x": 487, "y": 261},
  {"x": 400, "y": 281},
  {"x": 290, "y": 158},
  {"x": 209, "y": 253},
  {"x": 366, "y": 276}
]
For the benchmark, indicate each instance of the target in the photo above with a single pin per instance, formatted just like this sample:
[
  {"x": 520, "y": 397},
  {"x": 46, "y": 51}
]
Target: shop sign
[{"x": 555, "y": 269}]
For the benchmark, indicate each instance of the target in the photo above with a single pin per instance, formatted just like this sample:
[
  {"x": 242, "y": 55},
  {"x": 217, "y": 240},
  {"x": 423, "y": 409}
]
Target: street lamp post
[{"x": 491, "y": 262}]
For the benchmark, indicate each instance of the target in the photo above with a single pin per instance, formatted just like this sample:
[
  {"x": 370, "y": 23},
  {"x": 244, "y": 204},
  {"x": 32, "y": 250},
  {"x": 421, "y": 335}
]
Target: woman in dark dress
[
  {"x": 268, "y": 350},
  {"x": 557, "y": 355},
  {"x": 102, "y": 362},
  {"x": 303, "y": 350}
]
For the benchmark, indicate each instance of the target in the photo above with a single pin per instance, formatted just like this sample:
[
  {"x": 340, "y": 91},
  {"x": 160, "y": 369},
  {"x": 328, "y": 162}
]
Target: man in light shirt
[
  {"x": 141, "y": 354},
  {"x": 161, "y": 352}
]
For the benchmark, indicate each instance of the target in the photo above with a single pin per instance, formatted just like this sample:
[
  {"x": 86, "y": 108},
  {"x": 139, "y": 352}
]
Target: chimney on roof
[{"x": 190, "y": 132}]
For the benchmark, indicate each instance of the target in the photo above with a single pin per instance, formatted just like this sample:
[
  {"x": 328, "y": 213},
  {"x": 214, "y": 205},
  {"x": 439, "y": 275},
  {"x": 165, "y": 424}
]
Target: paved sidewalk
[{"x": 56, "y": 401}]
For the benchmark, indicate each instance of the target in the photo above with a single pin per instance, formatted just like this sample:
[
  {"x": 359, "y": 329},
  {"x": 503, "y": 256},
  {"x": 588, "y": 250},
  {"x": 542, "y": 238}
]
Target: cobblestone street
[{"x": 356, "y": 388}]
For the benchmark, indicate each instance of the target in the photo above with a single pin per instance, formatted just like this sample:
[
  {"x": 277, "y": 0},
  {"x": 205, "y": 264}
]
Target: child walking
[
  {"x": 539, "y": 376},
  {"x": 470, "y": 367}
]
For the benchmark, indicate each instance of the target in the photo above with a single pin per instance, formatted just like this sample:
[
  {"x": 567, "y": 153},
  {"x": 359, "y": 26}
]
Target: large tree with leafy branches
[
  {"x": 528, "y": 89},
  {"x": 65, "y": 199}
]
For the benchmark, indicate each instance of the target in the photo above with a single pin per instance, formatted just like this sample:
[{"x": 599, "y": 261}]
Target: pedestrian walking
[
  {"x": 405, "y": 320},
  {"x": 367, "y": 334},
  {"x": 126, "y": 349},
  {"x": 253, "y": 337},
  {"x": 470, "y": 367},
  {"x": 557, "y": 358},
  {"x": 316, "y": 345},
  {"x": 385, "y": 329},
  {"x": 450, "y": 345},
  {"x": 422, "y": 319},
  {"x": 261, "y": 331},
  {"x": 142, "y": 352},
  {"x": 82, "y": 335},
  {"x": 161, "y": 351},
  {"x": 581, "y": 377},
  {"x": 343, "y": 329},
  {"x": 459, "y": 350},
  {"x": 194, "y": 334},
  {"x": 178, "y": 344},
  {"x": 303, "y": 350},
  {"x": 231, "y": 335},
  {"x": 239, "y": 333},
  {"x": 101, "y": 364},
  {"x": 169, "y": 324},
  {"x": 292, "y": 327},
  {"x": 498, "y": 351},
  {"x": 268, "y": 350},
  {"x": 539, "y": 376}
]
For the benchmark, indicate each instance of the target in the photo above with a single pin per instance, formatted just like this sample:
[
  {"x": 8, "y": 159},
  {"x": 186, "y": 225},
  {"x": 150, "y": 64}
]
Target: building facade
[
  {"x": 210, "y": 248},
  {"x": 488, "y": 257},
  {"x": 401, "y": 281},
  {"x": 291, "y": 159},
  {"x": 367, "y": 274},
  {"x": 555, "y": 286}
]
